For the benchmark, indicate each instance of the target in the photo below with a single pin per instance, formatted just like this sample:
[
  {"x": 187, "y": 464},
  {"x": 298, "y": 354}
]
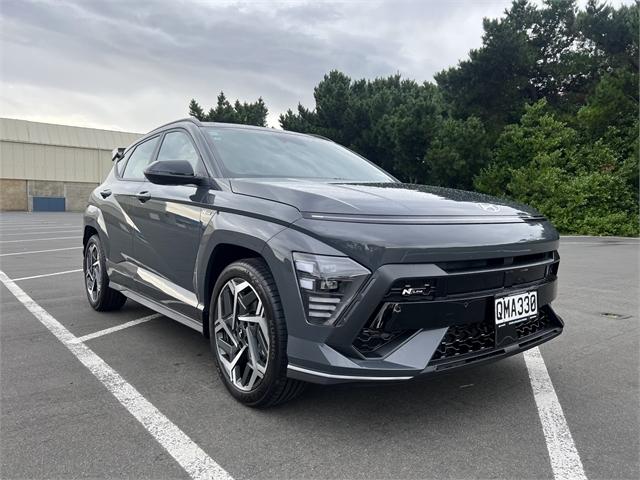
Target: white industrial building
[{"x": 53, "y": 167}]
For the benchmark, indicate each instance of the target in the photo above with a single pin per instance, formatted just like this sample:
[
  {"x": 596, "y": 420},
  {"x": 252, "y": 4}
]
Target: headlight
[{"x": 327, "y": 285}]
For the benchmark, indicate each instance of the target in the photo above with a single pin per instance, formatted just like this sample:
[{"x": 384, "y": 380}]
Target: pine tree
[
  {"x": 195, "y": 110},
  {"x": 245, "y": 113}
]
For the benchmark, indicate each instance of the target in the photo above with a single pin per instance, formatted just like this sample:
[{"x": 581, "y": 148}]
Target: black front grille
[
  {"x": 370, "y": 340},
  {"x": 472, "y": 265},
  {"x": 472, "y": 339},
  {"x": 542, "y": 322},
  {"x": 464, "y": 339},
  {"x": 474, "y": 276}
]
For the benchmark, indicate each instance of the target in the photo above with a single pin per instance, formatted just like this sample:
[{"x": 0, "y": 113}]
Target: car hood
[{"x": 383, "y": 202}]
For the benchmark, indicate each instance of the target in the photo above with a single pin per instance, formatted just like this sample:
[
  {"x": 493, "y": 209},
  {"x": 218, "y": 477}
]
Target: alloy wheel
[
  {"x": 92, "y": 273},
  {"x": 241, "y": 334}
]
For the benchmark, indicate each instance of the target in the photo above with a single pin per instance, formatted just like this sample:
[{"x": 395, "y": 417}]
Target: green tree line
[{"x": 545, "y": 112}]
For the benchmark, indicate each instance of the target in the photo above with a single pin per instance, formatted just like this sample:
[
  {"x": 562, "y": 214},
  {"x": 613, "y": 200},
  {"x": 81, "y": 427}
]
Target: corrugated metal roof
[{"x": 14, "y": 130}]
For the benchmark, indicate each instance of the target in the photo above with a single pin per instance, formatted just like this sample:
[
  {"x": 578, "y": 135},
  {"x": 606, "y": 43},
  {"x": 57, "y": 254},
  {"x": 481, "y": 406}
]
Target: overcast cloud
[{"x": 132, "y": 65}]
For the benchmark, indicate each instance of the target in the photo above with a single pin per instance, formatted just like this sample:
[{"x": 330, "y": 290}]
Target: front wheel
[
  {"x": 101, "y": 297},
  {"x": 249, "y": 336}
]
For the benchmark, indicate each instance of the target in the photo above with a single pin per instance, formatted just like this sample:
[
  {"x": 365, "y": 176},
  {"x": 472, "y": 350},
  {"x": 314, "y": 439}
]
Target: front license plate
[{"x": 516, "y": 307}]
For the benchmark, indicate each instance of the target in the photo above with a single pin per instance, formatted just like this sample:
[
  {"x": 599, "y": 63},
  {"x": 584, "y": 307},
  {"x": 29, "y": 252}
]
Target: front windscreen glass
[{"x": 272, "y": 154}]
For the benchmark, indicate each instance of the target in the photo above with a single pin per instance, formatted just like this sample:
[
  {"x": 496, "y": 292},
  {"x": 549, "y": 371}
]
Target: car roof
[{"x": 195, "y": 121}]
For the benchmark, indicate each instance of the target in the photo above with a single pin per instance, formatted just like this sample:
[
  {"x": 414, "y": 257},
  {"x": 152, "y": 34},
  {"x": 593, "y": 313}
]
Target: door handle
[
  {"x": 144, "y": 196},
  {"x": 105, "y": 193}
]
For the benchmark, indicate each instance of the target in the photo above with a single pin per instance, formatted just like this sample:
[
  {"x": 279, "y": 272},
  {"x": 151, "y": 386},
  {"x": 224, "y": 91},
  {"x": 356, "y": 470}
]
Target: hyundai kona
[{"x": 302, "y": 262}]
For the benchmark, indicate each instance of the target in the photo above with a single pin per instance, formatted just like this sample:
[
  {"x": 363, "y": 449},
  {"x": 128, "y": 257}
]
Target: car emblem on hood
[{"x": 489, "y": 207}]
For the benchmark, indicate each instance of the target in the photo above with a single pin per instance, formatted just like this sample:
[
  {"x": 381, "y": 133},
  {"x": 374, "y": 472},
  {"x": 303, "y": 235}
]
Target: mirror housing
[
  {"x": 173, "y": 172},
  {"x": 117, "y": 154}
]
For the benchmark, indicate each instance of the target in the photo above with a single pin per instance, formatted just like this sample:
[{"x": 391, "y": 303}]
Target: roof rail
[{"x": 193, "y": 120}]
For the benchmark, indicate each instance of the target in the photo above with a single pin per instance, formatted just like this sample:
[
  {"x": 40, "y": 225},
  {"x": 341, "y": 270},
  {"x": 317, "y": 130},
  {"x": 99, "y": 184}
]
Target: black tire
[
  {"x": 105, "y": 298},
  {"x": 274, "y": 387}
]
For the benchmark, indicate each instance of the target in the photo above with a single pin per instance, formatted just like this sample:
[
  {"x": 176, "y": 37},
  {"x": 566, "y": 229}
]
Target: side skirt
[{"x": 153, "y": 305}]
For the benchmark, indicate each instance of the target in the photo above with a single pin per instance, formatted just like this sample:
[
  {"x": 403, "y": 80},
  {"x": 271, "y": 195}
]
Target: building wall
[
  {"x": 17, "y": 195},
  {"x": 77, "y": 194},
  {"x": 13, "y": 195},
  {"x": 46, "y": 160},
  {"x": 51, "y": 162}
]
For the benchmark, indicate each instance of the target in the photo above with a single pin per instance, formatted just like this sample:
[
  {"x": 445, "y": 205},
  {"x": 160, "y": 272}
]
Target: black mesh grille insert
[
  {"x": 530, "y": 327},
  {"x": 370, "y": 340},
  {"x": 477, "y": 338},
  {"x": 463, "y": 339}
]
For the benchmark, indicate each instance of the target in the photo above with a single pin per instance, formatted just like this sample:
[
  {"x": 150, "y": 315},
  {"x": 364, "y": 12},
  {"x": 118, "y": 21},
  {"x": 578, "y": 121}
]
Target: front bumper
[
  {"x": 326, "y": 378},
  {"x": 449, "y": 326}
]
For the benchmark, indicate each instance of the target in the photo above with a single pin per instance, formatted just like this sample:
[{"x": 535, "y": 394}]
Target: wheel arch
[
  {"x": 89, "y": 231},
  {"x": 222, "y": 255},
  {"x": 94, "y": 224}
]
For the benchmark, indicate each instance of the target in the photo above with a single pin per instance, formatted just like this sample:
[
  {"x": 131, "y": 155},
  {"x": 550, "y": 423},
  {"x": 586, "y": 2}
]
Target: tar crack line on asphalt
[
  {"x": 185, "y": 451},
  {"x": 565, "y": 461}
]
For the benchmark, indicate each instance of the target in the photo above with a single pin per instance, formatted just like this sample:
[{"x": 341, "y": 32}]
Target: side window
[
  {"x": 139, "y": 159},
  {"x": 178, "y": 146}
]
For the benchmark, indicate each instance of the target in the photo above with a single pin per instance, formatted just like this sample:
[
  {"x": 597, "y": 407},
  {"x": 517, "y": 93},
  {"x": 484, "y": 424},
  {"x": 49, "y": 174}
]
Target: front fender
[{"x": 228, "y": 228}]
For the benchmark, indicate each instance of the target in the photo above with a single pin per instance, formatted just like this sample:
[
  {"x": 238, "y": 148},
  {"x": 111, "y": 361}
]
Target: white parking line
[
  {"x": 590, "y": 237},
  {"x": 565, "y": 461},
  {"x": 40, "y": 232},
  {"x": 107, "y": 331},
  {"x": 46, "y": 275},
  {"x": 185, "y": 451},
  {"x": 39, "y": 239},
  {"x": 602, "y": 244},
  {"x": 38, "y": 251},
  {"x": 37, "y": 225}
]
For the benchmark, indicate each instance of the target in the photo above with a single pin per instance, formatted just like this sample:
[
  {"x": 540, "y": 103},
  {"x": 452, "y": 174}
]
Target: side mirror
[
  {"x": 117, "y": 154},
  {"x": 173, "y": 172}
]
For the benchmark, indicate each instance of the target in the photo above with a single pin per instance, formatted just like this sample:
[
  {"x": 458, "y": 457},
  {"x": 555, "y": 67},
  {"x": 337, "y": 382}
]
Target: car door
[
  {"x": 119, "y": 209},
  {"x": 170, "y": 230}
]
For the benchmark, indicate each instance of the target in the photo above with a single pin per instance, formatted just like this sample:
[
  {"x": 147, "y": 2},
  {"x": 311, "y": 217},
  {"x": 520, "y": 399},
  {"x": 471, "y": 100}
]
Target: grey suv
[{"x": 303, "y": 262}]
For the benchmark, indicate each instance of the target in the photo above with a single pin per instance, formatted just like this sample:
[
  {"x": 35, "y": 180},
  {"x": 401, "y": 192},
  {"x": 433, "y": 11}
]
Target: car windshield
[{"x": 260, "y": 153}]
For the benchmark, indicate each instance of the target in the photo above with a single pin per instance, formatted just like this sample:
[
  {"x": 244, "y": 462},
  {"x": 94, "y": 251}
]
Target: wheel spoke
[
  {"x": 235, "y": 360},
  {"x": 225, "y": 347},
  {"x": 253, "y": 346},
  {"x": 249, "y": 318},
  {"x": 254, "y": 356},
  {"x": 221, "y": 324},
  {"x": 236, "y": 288},
  {"x": 252, "y": 381},
  {"x": 261, "y": 321},
  {"x": 231, "y": 365}
]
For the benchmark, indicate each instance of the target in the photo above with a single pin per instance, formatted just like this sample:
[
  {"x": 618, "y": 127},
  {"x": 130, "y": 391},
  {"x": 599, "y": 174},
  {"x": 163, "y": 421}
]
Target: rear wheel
[
  {"x": 249, "y": 335},
  {"x": 101, "y": 297}
]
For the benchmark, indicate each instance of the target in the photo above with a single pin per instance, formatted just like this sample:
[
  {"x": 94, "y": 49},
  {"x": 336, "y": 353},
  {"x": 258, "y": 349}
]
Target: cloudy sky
[{"x": 132, "y": 65}]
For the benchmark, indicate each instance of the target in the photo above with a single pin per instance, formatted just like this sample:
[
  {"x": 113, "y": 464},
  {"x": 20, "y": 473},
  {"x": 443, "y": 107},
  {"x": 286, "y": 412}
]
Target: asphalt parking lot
[{"x": 58, "y": 420}]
